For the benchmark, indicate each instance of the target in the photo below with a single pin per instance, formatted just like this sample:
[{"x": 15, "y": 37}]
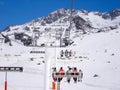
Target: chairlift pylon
[{"x": 66, "y": 40}]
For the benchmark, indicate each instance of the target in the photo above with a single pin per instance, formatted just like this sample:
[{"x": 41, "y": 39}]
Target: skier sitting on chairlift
[
  {"x": 68, "y": 73},
  {"x": 66, "y": 53},
  {"x": 70, "y": 53},
  {"x": 54, "y": 74},
  {"x": 61, "y": 74},
  {"x": 75, "y": 74},
  {"x": 80, "y": 76},
  {"x": 61, "y": 53}
]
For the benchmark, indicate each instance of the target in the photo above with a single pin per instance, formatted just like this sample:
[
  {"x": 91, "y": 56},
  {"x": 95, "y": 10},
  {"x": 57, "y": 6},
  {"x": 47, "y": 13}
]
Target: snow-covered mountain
[{"x": 83, "y": 22}]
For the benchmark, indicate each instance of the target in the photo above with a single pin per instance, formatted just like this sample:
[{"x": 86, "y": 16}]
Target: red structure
[{"x": 5, "y": 85}]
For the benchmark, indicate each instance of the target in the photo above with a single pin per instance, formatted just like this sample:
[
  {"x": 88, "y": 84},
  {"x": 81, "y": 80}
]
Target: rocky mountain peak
[
  {"x": 112, "y": 14},
  {"x": 115, "y": 13},
  {"x": 81, "y": 18}
]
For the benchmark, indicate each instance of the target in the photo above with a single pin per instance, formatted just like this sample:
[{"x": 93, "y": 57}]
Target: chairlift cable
[{"x": 71, "y": 16}]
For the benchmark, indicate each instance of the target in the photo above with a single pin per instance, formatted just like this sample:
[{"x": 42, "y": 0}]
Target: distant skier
[
  {"x": 75, "y": 74},
  {"x": 61, "y": 74},
  {"x": 54, "y": 76},
  {"x": 68, "y": 73},
  {"x": 80, "y": 76}
]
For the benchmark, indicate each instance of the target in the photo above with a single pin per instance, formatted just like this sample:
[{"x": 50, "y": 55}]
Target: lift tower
[{"x": 66, "y": 39}]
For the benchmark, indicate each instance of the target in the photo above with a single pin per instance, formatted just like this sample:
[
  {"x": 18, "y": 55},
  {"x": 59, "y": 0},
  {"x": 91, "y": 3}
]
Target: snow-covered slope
[
  {"x": 96, "y": 54},
  {"x": 103, "y": 53}
]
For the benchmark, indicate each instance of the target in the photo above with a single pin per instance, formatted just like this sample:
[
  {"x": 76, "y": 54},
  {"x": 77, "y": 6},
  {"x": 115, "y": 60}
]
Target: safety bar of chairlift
[{"x": 66, "y": 75}]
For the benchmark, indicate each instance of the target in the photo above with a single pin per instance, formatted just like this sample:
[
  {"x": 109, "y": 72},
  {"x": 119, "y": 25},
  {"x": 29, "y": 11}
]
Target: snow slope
[
  {"x": 32, "y": 77},
  {"x": 102, "y": 58},
  {"x": 95, "y": 54}
]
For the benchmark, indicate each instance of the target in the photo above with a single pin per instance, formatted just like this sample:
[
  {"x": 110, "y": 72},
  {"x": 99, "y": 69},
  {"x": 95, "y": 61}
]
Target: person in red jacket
[{"x": 61, "y": 74}]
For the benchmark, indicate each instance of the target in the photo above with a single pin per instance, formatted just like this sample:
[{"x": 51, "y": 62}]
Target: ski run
[{"x": 96, "y": 54}]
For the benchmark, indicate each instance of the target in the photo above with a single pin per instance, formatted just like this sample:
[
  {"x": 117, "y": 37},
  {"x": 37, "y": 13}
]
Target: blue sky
[{"x": 22, "y": 11}]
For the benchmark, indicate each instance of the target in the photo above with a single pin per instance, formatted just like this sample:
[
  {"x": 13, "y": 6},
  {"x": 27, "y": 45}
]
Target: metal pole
[
  {"x": 60, "y": 40},
  {"x": 58, "y": 86},
  {"x": 5, "y": 84},
  {"x": 47, "y": 67},
  {"x": 72, "y": 5}
]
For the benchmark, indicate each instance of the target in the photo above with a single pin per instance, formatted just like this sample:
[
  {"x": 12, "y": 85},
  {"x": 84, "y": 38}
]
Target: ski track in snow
[{"x": 102, "y": 86}]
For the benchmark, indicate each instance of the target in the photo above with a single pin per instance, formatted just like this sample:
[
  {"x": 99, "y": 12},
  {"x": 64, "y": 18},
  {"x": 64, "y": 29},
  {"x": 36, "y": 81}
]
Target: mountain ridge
[
  {"x": 82, "y": 21},
  {"x": 58, "y": 14}
]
